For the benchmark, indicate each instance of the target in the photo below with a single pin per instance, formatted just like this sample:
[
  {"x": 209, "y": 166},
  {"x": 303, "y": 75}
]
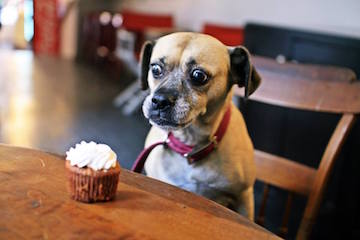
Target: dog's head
[{"x": 189, "y": 75}]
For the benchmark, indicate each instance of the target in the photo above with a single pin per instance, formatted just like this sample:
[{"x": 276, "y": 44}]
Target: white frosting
[{"x": 93, "y": 155}]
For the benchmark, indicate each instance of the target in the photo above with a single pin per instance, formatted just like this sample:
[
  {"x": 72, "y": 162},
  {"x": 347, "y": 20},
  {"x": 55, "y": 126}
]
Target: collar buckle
[
  {"x": 189, "y": 156},
  {"x": 213, "y": 140},
  {"x": 166, "y": 142}
]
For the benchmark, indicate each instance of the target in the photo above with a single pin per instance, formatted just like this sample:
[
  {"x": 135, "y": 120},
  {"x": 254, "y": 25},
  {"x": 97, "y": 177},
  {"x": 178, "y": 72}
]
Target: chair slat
[
  {"x": 261, "y": 217},
  {"x": 283, "y": 231},
  {"x": 284, "y": 173}
]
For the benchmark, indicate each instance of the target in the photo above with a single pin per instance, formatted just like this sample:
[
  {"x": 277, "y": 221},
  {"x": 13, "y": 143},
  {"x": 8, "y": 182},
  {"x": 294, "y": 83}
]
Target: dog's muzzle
[{"x": 162, "y": 107}]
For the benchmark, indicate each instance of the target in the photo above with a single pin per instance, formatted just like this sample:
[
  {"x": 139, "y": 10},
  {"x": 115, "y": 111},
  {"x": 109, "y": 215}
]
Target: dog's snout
[{"x": 162, "y": 101}]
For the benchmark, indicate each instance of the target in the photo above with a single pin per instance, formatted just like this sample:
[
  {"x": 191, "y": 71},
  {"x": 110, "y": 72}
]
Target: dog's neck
[{"x": 205, "y": 125}]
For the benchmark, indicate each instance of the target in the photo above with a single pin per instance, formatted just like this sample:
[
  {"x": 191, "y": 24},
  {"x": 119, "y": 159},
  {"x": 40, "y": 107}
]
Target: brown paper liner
[{"x": 88, "y": 185}]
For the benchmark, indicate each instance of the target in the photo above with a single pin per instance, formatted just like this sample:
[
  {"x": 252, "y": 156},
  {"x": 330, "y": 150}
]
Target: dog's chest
[{"x": 204, "y": 177}]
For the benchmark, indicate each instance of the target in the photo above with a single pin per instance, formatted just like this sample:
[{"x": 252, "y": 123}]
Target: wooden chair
[{"x": 312, "y": 88}]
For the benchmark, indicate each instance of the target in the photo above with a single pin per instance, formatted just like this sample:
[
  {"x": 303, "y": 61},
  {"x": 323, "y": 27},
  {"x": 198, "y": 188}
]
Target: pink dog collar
[{"x": 192, "y": 153}]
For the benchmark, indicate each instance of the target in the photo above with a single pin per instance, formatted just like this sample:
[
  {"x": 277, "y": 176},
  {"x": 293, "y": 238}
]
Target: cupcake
[{"x": 93, "y": 172}]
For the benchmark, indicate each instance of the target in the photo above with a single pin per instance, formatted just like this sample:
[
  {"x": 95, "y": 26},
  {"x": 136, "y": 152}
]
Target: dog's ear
[
  {"x": 242, "y": 72},
  {"x": 145, "y": 56}
]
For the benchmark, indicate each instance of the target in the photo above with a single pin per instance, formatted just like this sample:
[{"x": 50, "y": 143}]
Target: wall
[{"x": 340, "y": 17}]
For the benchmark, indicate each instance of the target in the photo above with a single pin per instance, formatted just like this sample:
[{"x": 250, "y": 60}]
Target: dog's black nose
[{"x": 162, "y": 101}]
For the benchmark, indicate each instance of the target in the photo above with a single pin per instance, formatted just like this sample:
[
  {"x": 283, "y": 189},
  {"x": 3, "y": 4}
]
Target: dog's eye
[
  {"x": 156, "y": 70},
  {"x": 198, "y": 77}
]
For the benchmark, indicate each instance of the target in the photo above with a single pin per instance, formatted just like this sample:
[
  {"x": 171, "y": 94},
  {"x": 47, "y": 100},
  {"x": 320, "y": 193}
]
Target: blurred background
[{"x": 68, "y": 72}]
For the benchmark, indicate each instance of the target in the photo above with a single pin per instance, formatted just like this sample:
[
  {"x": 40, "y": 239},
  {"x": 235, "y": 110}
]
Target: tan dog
[{"x": 190, "y": 76}]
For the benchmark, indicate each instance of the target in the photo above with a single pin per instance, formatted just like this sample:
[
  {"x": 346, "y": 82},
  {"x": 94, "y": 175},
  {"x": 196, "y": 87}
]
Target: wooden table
[
  {"x": 306, "y": 85},
  {"x": 34, "y": 203}
]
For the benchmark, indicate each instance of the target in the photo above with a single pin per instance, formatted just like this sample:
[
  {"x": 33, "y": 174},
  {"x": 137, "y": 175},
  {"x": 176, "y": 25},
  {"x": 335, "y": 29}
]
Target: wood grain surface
[
  {"x": 34, "y": 203},
  {"x": 307, "y": 87}
]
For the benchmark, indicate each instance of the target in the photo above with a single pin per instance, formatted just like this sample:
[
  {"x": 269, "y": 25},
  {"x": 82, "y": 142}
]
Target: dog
[{"x": 190, "y": 76}]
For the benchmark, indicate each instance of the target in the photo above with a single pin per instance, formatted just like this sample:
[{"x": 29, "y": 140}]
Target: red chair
[
  {"x": 139, "y": 22},
  {"x": 231, "y": 36}
]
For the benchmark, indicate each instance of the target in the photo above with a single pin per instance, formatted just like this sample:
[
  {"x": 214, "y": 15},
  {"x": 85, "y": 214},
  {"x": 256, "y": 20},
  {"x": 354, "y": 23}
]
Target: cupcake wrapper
[{"x": 90, "y": 188}]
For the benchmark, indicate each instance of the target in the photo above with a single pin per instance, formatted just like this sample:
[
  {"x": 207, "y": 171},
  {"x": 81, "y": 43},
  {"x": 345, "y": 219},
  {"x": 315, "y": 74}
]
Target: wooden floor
[{"x": 51, "y": 104}]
